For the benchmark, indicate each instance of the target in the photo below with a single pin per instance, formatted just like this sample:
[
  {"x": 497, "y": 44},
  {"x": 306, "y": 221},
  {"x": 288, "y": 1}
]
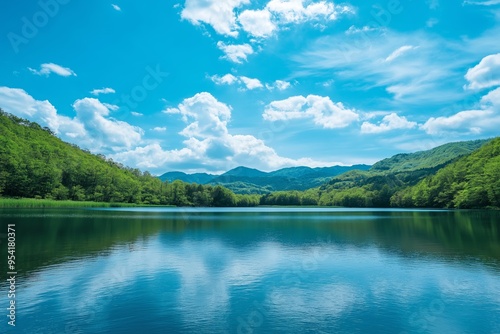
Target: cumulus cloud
[
  {"x": 257, "y": 23},
  {"x": 262, "y": 22},
  {"x": 18, "y": 102},
  {"x": 116, "y": 7},
  {"x": 476, "y": 121},
  {"x": 209, "y": 143},
  {"x": 464, "y": 122},
  {"x": 295, "y": 11},
  {"x": 217, "y": 13},
  {"x": 227, "y": 79},
  {"x": 247, "y": 82},
  {"x": 279, "y": 85},
  {"x": 251, "y": 83},
  {"x": 105, "y": 131},
  {"x": 323, "y": 111},
  {"x": 209, "y": 116},
  {"x": 485, "y": 74},
  {"x": 91, "y": 127},
  {"x": 389, "y": 122},
  {"x": 235, "y": 53},
  {"x": 48, "y": 68},
  {"x": 106, "y": 90}
]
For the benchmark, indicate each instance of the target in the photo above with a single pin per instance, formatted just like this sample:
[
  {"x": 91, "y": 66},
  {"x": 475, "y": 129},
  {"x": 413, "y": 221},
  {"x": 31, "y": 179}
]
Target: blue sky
[{"x": 208, "y": 85}]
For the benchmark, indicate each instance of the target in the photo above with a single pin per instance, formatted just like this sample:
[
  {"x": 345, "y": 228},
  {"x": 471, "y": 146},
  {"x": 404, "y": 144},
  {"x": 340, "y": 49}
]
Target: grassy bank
[{"x": 47, "y": 203}]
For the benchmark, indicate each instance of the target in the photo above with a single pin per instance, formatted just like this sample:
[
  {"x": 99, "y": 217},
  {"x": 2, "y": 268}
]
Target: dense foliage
[
  {"x": 471, "y": 182},
  {"x": 34, "y": 163},
  {"x": 385, "y": 183}
]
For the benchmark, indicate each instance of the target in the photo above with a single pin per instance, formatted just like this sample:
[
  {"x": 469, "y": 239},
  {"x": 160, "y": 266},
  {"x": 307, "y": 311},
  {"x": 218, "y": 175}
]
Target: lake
[{"x": 258, "y": 270}]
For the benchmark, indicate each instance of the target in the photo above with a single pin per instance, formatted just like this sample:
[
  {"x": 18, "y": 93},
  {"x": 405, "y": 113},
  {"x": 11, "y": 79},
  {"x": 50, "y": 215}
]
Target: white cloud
[
  {"x": 492, "y": 98},
  {"x": 210, "y": 116},
  {"x": 320, "y": 109},
  {"x": 106, "y": 90},
  {"x": 104, "y": 131},
  {"x": 17, "y": 102},
  {"x": 235, "y": 53},
  {"x": 464, "y": 122},
  {"x": 278, "y": 84},
  {"x": 137, "y": 114},
  {"x": 248, "y": 83},
  {"x": 227, "y": 79},
  {"x": 217, "y": 13},
  {"x": 257, "y": 22},
  {"x": 91, "y": 128},
  {"x": 209, "y": 143},
  {"x": 159, "y": 129},
  {"x": 116, "y": 7},
  {"x": 48, "y": 68},
  {"x": 399, "y": 52},
  {"x": 485, "y": 74},
  {"x": 389, "y": 122},
  {"x": 294, "y": 11},
  {"x": 251, "y": 83},
  {"x": 486, "y": 119},
  {"x": 262, "y": 22}
]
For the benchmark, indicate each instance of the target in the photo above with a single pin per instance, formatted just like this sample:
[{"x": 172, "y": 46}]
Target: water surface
[{"x": 256, "y": 270}]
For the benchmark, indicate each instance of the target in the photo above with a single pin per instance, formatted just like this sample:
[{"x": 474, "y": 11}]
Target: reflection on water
[{"x": 256, "y": 271}]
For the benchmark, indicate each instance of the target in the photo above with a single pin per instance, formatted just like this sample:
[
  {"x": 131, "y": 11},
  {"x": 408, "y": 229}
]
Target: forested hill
[
  {"x": 245, "y": 180},
  {"x": 471, "y": 182},
  {"x": 376, "y": 187},
  {"x": 435, "y": 157},
  {"x": 34, "y": 163}
]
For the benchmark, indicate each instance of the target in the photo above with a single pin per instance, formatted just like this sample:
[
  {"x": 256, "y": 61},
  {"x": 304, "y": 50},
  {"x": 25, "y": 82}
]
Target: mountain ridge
[{"x": 245, "y": 180}]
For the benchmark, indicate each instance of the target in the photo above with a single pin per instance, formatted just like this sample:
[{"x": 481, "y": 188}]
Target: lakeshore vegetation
[{"x": 44, "y": 171}]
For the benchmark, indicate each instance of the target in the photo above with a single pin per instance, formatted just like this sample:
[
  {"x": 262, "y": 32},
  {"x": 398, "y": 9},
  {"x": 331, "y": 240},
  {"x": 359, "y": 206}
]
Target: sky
[{"x": 209, "y": 85}]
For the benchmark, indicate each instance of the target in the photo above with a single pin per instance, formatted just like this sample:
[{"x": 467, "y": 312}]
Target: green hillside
[
  {"x": 471, "y": 182},
  {"x": 376, "y": 186},
  {"x": 427, "y": 159},
  {"x": 34, "y": 163}
]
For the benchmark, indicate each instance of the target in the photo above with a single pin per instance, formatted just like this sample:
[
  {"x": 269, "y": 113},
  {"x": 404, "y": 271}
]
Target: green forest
[
  {"x": 35, "y": 164},
  {"x": 455, "y": 175}
]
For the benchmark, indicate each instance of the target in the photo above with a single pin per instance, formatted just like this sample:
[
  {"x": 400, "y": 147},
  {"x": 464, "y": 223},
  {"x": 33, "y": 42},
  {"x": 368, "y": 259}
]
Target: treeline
[
  {"x": 467, "y": 181},
  {"x": 471, "y": 182},
  {"x": 34, "y": 163}
]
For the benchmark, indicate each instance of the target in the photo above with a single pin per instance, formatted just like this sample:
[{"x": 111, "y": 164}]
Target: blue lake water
[{"x": 258, "y": 270}]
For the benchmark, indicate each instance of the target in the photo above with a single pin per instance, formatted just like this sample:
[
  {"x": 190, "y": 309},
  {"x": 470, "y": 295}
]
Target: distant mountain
[
  {"x": 199, "y": 178},
  {"x": 244, "y": 180},
  {"x": 244, "y": 172}
]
